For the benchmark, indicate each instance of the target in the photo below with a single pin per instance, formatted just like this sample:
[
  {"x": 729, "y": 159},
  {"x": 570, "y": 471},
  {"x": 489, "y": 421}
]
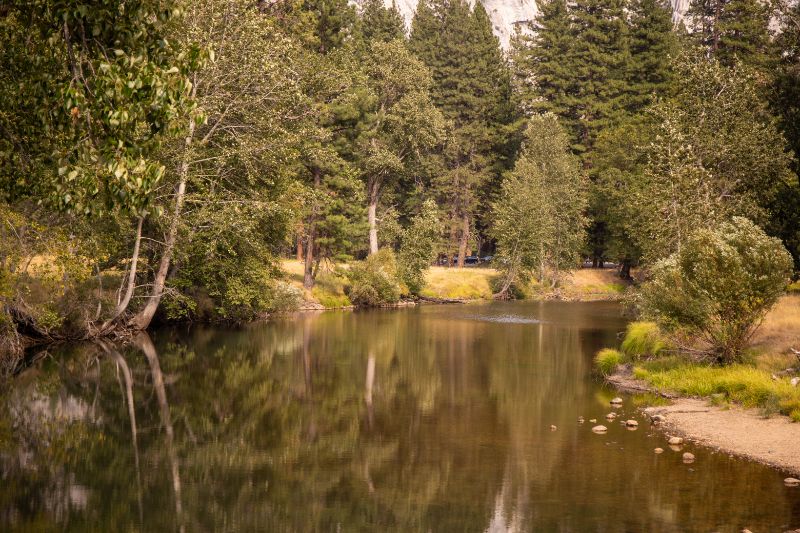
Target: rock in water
[
  {"x": 611, "y": 416},
  {"x": 593, "y": 420},
  {"x": 631, "y": 423},
  {"x": 688, "y": 457},
  {"x": 659, "y": 450},
  {"x": 616, "y": 401},
  {"x": 675, "y": 440},
  {"x": 553, "y": 428},
  {"x": 599, "y": 429},
  {"x": 791, "y": 482}
]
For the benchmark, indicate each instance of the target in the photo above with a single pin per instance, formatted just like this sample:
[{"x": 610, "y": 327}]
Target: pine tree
[
  {"x": 540, "y": 61},
  {"x": 732, "y": 30},
  {"x": 600, "y": 62},
  {"x": 472, "y": 89},
  {"x": 652, "y": 42},
  {"x": 381, "y": 23}
]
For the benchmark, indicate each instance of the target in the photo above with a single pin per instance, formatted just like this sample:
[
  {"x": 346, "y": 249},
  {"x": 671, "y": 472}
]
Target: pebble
[
  {"x": 599, "y": 429},
  {"x": 688, "y": 457},
  {"x": 553, "y": 428},
  {"x": 593, "y": 420},
  {"x": 631, "y": 423},
  {"x": 791, "y": 482},
  {"x": 611, "y": 416},
  {"x": 675, "y": 440},
  {"x": 659, "y": 450},
  {"x": 580, "y": 420}
]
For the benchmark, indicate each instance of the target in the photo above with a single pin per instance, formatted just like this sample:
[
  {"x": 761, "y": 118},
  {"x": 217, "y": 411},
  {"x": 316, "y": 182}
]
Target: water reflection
[{"x": 431, "y": 419}]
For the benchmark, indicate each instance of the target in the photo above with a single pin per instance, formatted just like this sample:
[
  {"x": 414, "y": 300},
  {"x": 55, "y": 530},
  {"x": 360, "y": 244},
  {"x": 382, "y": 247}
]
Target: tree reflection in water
[{"x": 432, "y": 419}]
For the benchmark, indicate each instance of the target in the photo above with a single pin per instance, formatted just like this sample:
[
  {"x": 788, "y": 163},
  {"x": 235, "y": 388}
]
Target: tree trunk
[
  {"x": 311, "y": 236},
  {"x": 145, "y": 316},
  {"x": 462, "y": 245},
  {"x": 299, "y": 246},
  {"x": 122, "y": 306},
  {"x": 625, "y": 271},
  {"x": 372, "y": 210}
]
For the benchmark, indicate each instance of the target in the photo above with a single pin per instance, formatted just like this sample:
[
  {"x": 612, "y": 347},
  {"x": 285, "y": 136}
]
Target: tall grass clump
[
  {"x": 642, "y": 339},
  {"x": 607, "y": 360}
]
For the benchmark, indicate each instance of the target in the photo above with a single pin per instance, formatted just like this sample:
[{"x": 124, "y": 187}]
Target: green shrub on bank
[
  {"x": 607, "y": 360},
  {"x": 719, "y": 287},
  {"x": 374, "y": 282},
  {"x": 642, "y": 339},
  {"x": 418, "y": 249}
]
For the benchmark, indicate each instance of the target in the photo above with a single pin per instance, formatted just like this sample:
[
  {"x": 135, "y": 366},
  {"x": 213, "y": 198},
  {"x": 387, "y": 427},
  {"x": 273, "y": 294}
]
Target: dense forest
[{"x": 158, "y": 157}]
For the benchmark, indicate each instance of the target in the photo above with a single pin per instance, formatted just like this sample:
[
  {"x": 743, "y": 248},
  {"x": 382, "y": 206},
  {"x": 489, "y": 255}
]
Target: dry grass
[
  {"x": 594, "y": 283},
  {"x": 329, "y": 288},
  {"x": 469, "y": 283}
]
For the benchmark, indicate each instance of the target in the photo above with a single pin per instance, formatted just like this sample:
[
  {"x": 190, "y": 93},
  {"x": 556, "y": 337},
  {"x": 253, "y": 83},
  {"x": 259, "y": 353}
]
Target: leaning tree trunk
[
  {"x": 122, "y": 306},
  {"x": 145, "y": 316}
]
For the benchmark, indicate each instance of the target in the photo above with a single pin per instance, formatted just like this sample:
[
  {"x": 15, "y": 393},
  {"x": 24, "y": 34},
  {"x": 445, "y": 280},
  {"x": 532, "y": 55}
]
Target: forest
[{"x": 158, "y": 158}]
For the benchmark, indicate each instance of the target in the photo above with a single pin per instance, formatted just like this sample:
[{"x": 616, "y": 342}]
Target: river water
[{"x": 425, "y": 419}]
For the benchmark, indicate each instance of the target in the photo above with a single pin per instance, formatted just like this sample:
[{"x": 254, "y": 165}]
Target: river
[{"x": 429, "y": 419}]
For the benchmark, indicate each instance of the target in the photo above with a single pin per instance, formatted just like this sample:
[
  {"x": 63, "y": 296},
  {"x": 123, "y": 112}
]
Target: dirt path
[{"x": 773, "y": 441}]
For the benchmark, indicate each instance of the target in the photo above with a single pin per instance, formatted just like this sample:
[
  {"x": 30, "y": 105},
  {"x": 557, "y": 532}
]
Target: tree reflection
[{"x": 432, "y": 419}]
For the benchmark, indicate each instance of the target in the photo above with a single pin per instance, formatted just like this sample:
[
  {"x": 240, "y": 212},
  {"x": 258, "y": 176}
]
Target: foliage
[
  {"x": 607, "y": 360},
  {"x": 538, "y": 221},
  {"x": 373, "y": 282},
  {"x": 90, "y": 92},
  {"x": 719, "y": 286},
  {"x": 419, "y": 247},
  {"x": 642, "y": 339}
]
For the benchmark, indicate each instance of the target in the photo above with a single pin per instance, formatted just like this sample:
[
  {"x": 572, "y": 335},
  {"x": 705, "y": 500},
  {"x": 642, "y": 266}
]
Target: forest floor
[
  {"x": 468, "y": 283},
  {"x": 749, "y": 408}
]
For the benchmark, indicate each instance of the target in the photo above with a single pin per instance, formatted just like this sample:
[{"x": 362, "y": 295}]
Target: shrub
[
  {"x": 642, "y": 339},
  {"x": 719, "y": 286},
  {"x": 607, "y": 360},
  {"x": 419, "y": 246},
  {"x": 374, "y": 281}
]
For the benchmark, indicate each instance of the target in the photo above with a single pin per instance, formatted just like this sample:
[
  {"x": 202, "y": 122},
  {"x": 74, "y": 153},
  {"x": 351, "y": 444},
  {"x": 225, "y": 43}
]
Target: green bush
[
  {"x": 373, "y": 282},
  {"x": 607, "y": 360},
  {"x": 419, "y": 246},
  {"x": 718, "y": 288},
  {"x": 642, "y": 339}
]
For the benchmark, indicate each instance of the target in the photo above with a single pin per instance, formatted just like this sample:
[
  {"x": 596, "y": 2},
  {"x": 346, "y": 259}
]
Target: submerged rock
[
  {"x": 688, "y": 457},
  {"x": 659, "y": 450},
  {"x": 599, "y": 429},
  {"x": 553, "y": 428},
  {"x": 675, "y": 440},
  {"x": 616, "y": 401}
]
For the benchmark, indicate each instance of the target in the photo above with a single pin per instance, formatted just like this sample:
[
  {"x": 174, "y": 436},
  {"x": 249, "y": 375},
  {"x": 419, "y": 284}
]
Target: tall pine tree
[{"x": 652, "y": 43}]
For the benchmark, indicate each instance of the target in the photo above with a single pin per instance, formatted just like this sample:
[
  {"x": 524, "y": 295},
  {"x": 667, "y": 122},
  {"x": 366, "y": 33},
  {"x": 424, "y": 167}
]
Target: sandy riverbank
[{"x": 773, "y": 441}]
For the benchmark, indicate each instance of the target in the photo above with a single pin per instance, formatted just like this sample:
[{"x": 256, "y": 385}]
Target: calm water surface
[{"x": 429, "y": 419}]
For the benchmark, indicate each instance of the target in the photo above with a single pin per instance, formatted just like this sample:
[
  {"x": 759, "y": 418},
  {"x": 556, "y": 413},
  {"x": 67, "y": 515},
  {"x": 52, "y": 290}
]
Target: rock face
[{"x": 508, "y": 15}]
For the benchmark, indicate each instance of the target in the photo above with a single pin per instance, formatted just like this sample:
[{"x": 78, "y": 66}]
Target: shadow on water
[{"x": 426, "y": 419}]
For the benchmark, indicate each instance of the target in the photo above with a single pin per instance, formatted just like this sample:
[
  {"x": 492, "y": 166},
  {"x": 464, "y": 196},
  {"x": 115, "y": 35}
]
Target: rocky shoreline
[{"x": 736, "y": 431}]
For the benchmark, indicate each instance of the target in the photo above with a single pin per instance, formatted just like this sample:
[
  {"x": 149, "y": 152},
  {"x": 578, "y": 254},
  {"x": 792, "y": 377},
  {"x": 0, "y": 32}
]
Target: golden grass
[
  {"x": 594, "y": 283},
  {"x": 469, "y": 283}
]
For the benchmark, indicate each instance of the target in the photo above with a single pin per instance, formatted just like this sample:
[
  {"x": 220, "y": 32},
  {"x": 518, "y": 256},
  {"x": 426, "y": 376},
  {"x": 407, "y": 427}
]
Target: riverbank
[
  {"x": 462, "y": 284},
  {"x": 749, "y": 409}
]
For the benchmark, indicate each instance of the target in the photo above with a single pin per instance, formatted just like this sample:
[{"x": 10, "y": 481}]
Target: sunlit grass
[
  {"x": 459, "y": 283},
  {"x": 607, "y": 360},
  {"x": 642, "y": 339}
]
